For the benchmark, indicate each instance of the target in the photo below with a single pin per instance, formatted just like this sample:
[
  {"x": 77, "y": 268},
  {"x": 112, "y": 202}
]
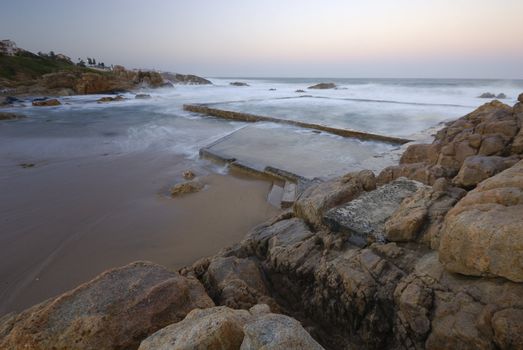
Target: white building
[{"x": 8, "y": 47}]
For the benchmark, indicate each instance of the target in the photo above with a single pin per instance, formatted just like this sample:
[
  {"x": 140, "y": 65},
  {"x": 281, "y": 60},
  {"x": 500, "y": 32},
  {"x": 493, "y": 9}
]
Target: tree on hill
[{"x": 81, "y": 63}]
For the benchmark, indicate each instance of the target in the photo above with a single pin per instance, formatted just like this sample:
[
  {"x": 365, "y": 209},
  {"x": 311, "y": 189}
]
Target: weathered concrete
[
  {"x": 364, "y": 218},
  {"x": 246, "y": 117}
]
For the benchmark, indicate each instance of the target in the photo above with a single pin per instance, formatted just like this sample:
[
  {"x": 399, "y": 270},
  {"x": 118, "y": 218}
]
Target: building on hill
[{"x": 8, "y": 47}]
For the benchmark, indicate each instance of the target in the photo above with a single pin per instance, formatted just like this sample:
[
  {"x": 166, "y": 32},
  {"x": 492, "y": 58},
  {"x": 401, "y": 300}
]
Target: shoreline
[{"x": 396, "y": 272}]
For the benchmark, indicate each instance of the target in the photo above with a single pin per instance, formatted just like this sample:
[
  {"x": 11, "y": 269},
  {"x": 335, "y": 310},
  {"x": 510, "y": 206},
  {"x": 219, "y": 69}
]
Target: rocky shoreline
[{"x": 428, "y": 254}]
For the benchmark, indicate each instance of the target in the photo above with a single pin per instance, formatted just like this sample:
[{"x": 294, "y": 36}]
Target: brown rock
[
  {"x": 236, "y": 282},
  {"x": 186, "y": 187},
  {"x": 116, "y": 310},
  {"x": 408, "y": 219},
  {"x": 319, "y": 198},
  {"x": 213, "y": 328},
  {"x": 520, "y": 98},
  {"x": 492, "y": 145},
  {"x": 478, "y": 168},
  {"x": 482, "y": 233},
  {"x": 273, "y": 332},
  {"x": 51, "y": 102},
  {"x": 110, "y": 99},
  {"x": 11, "y": 116},
  {"x": 508, "y": 328}
]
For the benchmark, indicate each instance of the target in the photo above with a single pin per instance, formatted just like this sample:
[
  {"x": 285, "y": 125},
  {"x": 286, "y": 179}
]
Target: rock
[
  {"x": 491, "y": 129},
  {"x": 116, "y": 310},
  {"x": 235, "y": 282},
  {"x": 487, "y": 95},
  {"x": 186, "y": 79},
  {"x": 492, "y": 145},
  {"x": 520, "y": 98},
  {"x": 508, "y": 328},
  {"x": 272, "y": 332},
  {"x": 51, "y": 102},
  {"x": 188, "y": 175},
  {"x": 323, "y": 86},
  {"x": 272, "y": 89},
  {"x": 238, "y": 83},
  {"x": 478, "y": 168},
  {"x": 213, "y": 328},
  {"x": 8, "y": 100},
  {"x": 11, "y": 116},
  {"x": 318, "y": 198},
  {"x": 300, "y": 91},
  {"x": 501, "y": 96},
  {"x": 110, "y": 99},
  {"x": 225, "y": 328},
  {"x": 363, "y": 219},
  {"x": 186, "y": 187},
  {"x": 142, "y": 96},
  {"x": 404, "y": 224},
  {"x": 482, "y": 233}
]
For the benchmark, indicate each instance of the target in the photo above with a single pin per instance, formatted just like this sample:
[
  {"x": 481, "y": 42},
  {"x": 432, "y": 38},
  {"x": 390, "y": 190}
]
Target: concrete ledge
[{"x": 246, "y": 117}]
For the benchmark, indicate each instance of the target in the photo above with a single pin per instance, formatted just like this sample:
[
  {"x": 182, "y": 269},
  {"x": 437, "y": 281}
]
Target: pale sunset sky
[{"x": 289, "y": 38}]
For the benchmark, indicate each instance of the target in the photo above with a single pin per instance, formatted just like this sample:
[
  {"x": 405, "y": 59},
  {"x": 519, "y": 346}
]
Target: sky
[{"x": 280, "y": 38}]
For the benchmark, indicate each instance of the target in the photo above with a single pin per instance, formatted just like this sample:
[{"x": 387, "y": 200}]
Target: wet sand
[{"x": 62, "y": 223}]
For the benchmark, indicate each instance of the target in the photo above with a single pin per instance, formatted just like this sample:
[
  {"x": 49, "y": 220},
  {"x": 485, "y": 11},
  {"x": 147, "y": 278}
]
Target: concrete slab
[
  {"x": 363, "y": 219},
  {"x": 298, "y": 152}
]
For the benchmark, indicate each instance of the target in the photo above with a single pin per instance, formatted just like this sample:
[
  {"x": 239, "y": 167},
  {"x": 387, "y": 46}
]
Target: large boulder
[
  {"x": 213, "y": 328},
  {"x": 482, "y": 233},
  {"x": 277, "y": 332},
  {"x": 115, "y": 310},
  {"x": 228, "y": 329},
  {"x": 478, "y": 168}
]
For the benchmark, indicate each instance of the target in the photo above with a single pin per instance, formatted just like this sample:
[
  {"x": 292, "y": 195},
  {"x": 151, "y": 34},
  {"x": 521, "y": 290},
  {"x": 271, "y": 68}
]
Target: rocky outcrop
[
  {"x": 483, "y": 232},
  {"x": 229, "y": 329},
  {"x": 487, "y": 95},
  {"x": 323, "y": 86},
  {"x": 185, "y": 79},
  {"x": 493, "y": 129},
  {"x": 116, "y": 310}
]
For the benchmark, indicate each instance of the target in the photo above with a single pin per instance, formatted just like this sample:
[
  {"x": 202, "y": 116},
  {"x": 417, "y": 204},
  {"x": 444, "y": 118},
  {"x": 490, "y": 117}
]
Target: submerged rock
[
  {"x": 142, "y": 96},
  {"x": 186, "y": 187},
  {"x": 323, "y": 86},
  {"x": 238, "y": 83},
  {"x": 11, "y": 116},
  {"x": 116, "y": 310},
  {"x": 300, "y": 91},
  {"x": 110, "y": 99},
  {"x": 487, "y": 95},
  {"x": 45, "y": 103}
]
